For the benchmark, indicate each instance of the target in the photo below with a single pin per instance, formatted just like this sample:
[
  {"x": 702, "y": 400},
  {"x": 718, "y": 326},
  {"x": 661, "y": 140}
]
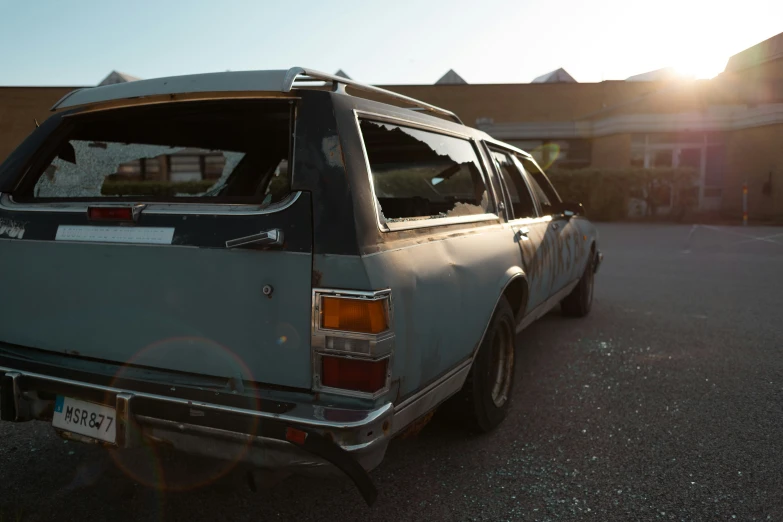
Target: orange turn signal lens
[{"x": 354, "y": 315}]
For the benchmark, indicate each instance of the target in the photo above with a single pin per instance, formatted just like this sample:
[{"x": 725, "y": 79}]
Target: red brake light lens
[
  {"x": 354, "y": 374},
  {"x": 110, "y": 213}
]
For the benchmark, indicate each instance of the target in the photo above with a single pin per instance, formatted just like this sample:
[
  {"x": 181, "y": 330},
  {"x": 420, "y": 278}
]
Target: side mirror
[{"x": 568, "y": 209}]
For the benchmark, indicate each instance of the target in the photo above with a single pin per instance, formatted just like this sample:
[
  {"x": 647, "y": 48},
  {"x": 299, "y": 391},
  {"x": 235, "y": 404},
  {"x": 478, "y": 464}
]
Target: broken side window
[{"x": 423, "y": 175}]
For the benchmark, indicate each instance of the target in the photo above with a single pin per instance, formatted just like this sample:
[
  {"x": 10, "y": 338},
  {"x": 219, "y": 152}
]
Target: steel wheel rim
[{"x": 503, "y": 363}]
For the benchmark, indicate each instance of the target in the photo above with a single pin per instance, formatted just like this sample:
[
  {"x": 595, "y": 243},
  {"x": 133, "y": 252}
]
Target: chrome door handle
[{"x": 268, "y": 237}]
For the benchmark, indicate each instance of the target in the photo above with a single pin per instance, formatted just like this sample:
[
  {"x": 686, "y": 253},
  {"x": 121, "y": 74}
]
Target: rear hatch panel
[
  {"x": 182, "y": 307},
  {"x": 207, "y": 174}
]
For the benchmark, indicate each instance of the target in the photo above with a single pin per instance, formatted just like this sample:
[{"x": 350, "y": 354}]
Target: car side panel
[
  {"x": 583, "y": 234},
  {"x": 444, "y": 293}
]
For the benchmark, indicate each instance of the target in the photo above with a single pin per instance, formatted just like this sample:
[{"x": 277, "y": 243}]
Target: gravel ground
[{"x": 663, "y": 404}]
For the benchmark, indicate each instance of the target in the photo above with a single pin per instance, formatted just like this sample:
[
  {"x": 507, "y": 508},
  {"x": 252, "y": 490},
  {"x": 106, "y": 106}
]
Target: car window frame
[
  {"x": 523, "y": 174},
  {"x": 519, "y": 160},
  {"x": 484, "y": 171},
  {"x": 190, "y": 205}
]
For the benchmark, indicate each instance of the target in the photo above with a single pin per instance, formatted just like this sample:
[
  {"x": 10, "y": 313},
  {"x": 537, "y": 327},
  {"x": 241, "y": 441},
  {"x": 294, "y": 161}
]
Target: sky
[{"x": 47, "y": 42}]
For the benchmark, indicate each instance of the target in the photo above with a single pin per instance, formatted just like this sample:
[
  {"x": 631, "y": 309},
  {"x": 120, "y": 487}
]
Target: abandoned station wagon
[{"x": 259, "y": 265}]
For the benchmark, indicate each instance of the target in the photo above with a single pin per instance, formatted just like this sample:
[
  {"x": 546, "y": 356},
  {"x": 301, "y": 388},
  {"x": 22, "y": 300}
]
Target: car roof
[
  {"x": 275, "y": 81},
  {"x": 279, "y": 81},
  {"x": 231, "y": 81}
]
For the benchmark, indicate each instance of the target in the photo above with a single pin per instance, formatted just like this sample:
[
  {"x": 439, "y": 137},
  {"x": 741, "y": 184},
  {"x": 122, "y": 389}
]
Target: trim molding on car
[
  {"x": 217, "y": 209},
  {"x": 399, "y": 120},
  {"x": 428, "y": 398},
  {"x": 394, "y": 226},
  {"x": 546, "y": 306}
]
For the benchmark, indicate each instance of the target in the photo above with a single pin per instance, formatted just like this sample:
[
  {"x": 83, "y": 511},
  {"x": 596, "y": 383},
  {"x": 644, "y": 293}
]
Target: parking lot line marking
[{"x": 749, "y": 238}]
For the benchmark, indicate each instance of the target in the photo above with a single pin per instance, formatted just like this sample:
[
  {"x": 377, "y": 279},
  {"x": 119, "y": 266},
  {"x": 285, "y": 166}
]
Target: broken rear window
[
  {"x": 236, "y": 151},
  {"x": 423, "y": 175}
]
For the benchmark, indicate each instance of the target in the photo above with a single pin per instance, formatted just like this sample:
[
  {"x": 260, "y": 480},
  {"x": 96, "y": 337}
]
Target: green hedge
[
  {"x": 279, "y": 187},
  {"x": 154, "y": 188},
  {"x": 606, "y": 193}
]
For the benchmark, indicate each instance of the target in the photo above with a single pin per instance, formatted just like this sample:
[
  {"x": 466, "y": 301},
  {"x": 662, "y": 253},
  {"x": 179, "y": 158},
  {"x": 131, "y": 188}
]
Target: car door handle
[{"x": 268, "y": 237}]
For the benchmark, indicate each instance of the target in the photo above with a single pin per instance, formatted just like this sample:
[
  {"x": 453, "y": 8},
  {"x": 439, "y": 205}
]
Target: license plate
[{"x": 85, "y": 418}]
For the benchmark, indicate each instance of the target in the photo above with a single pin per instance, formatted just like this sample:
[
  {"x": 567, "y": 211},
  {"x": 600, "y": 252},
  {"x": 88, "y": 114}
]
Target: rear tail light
[
  {"x": 353, "y": 342},
  {"x": 110, "y": 214},
  {"x": 360, "y": 375},
  {"x": 114, "y": 213},
  {"x": 354, "y": 315}
]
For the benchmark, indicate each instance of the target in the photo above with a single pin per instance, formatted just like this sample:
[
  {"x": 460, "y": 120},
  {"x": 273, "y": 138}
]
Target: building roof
[
  {"x": 557, "y": 76},
  {"x": 342, "y": 74},
  {"x": 766, "y": 51},
  {"x": 658, "y": 75},
  {"x": 451, "y": 78},
  {"x": 116, "y": 77}
]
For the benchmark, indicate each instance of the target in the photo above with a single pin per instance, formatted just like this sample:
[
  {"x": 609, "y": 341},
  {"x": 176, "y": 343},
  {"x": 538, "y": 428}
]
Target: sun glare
[{"x": 699, "y": 66}]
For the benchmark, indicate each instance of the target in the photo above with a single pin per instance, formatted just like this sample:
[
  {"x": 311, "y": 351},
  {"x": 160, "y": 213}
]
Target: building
[{"x": 729, "y": 128}]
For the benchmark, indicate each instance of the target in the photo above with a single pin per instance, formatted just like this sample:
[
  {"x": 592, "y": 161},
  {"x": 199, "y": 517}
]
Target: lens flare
[
  {"x": 145, "y": 464},
  {"x": 546, "y": 154}
]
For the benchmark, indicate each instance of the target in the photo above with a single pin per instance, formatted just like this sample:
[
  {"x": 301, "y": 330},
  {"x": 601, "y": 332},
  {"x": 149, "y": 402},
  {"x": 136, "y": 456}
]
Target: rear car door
[
  {"x": 164, "y": 236},
  {"x": 527, "y": 229},
  {"x": 560, "y": 236}
]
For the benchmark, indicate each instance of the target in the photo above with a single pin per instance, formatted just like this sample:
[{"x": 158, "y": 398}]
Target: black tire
[
  {"x": 485, "y": 398},
  {"x": 579, "y": 302}
]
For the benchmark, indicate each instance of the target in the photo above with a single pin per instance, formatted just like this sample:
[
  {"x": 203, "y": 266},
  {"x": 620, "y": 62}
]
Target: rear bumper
[{"x": 296, "y": 437}]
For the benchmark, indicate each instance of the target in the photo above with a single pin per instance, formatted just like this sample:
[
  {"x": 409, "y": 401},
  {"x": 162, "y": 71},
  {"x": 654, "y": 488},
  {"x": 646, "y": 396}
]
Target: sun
[{"x": 699, "y": 66}]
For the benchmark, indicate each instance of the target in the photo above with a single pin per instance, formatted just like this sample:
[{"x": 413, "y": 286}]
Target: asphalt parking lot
[{"x": 664, "y": 404}]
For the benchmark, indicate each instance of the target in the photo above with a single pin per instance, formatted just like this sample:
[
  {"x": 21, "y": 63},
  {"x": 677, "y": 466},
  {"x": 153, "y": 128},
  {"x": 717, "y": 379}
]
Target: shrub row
[
  {"x": 154, "y": 188},
  {"x": 607, "y": 193}
]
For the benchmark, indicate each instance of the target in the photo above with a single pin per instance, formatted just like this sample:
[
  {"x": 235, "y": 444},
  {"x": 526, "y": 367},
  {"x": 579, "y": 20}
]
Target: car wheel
[
  {"x": 486, "y": 396},
  {"x": 579, "y": 302}
]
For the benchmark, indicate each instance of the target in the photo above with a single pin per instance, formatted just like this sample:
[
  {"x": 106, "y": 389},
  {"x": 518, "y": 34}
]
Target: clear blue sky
[{"x": 47, "y": 42}]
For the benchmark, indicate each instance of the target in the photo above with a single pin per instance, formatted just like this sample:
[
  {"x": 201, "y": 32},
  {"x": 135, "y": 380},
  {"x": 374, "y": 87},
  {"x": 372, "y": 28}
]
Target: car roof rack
[{"x": 300, "y": 74}]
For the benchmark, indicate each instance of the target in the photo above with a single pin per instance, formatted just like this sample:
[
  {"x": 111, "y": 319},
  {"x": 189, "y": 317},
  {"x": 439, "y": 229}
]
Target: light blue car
[{"x": 259, "y": 266}]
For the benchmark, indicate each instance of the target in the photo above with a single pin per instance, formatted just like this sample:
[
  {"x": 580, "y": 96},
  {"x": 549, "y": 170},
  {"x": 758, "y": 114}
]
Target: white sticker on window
[{"x": 144, "y": 235}]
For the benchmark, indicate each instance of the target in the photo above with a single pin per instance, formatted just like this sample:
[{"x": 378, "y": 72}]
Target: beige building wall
[
  {"x": 613, "y": 151},
  {"x": 754, "y": 154},
  {"x": 526, "y": 102},
  {"x": 19, "y": 107}
]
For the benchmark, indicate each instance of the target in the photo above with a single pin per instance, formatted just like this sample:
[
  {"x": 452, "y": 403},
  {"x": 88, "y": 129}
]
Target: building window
[{"x": 703, "y": 152}]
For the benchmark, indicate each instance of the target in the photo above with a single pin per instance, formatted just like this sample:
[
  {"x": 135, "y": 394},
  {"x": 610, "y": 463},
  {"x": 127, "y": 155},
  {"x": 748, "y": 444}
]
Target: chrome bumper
[{"x": 301, "y": 438}]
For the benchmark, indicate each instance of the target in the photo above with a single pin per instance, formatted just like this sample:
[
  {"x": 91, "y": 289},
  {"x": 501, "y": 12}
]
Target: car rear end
[{"x": 157, "y": 274}]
